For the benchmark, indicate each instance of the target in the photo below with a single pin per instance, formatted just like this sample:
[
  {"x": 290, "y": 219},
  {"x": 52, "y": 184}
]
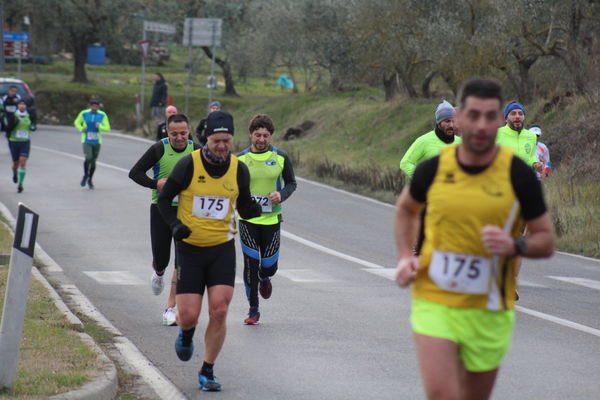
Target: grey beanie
[{"x": 443, "y": 112}]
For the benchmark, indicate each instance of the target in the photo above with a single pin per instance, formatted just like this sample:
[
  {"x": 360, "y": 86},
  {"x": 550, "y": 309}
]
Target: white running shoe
[
  {"x": 157, "y": 284},
  {"x": 170, "y": 316}
]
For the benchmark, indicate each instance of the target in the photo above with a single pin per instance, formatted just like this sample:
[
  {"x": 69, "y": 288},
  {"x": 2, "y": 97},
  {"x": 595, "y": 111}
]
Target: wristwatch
[{"x": 520, "y": 246}]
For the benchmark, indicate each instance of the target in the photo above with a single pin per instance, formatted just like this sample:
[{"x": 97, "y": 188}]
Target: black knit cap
[{"x": 219, "y": 122}]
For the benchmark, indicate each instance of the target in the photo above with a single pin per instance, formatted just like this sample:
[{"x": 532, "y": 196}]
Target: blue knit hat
[{"x": 513, "y": 105}]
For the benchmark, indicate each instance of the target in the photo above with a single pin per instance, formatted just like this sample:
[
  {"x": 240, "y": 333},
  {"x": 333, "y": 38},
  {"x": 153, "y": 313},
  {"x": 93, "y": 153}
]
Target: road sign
[
  {"x": 159, "y": 27},
  {"x": 145, "y": 46},
  {"x": 16, "y": 36},
  {"x": 16, "y": 49},
  {"x": 202, "y": 32}
]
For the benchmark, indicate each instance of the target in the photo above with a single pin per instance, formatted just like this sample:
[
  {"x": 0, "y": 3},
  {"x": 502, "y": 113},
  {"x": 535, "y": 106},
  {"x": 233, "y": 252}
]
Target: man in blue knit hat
[{"x": 514, "y": 135}]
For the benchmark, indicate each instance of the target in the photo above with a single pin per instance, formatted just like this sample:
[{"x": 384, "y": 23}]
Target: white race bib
[
  {"x": 460, "y": 272},
  {"x": 22, "y": 134},
  {"x": 11, "y": 109},
  {"x": 92, "y": 136},
  {"x": 211, "y": 207},
  {"x": 264, "y": 202}
]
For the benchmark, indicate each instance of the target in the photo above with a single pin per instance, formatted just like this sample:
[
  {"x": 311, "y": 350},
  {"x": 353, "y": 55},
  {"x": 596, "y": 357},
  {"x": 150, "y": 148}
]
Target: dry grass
[{"x": 575, "y": 209}]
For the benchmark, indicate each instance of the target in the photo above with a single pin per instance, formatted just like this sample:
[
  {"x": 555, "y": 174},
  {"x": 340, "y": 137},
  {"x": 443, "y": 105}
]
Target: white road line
[
  {"x": 559, "y": 321},
  {"x": 524, "y": 282},
  {"x": 152, "y": 375},
  {"x": 305, "y": 275},
  {"x": 388, "y": 273},
  {"x": 358, "y": 196},
  {"x": 123, "y": 278},
  {"x": 589, "y": 283},
  {"x": 62, "y": 153},
  {"x": 327, "y": 250}
]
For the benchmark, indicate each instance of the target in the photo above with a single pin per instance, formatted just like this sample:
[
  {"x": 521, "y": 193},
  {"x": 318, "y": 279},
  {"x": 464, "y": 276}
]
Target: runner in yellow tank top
[
  {"x": 211, "y": 185},
  {"x": 478, "y": 195}
]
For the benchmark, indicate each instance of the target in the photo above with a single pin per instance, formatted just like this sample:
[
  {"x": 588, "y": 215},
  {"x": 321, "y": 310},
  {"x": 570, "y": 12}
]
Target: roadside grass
[
  {"x": 53, "y": 359},
  {"x": 575, "y": 209}
]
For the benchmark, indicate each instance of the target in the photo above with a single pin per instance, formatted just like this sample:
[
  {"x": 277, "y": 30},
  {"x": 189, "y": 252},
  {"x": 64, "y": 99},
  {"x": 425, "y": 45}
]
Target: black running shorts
[{"x": 203, "y": 267}]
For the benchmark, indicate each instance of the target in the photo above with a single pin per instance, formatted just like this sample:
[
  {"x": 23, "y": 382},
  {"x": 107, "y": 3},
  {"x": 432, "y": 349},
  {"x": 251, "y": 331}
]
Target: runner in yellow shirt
[{"x": 478, "y": 197}]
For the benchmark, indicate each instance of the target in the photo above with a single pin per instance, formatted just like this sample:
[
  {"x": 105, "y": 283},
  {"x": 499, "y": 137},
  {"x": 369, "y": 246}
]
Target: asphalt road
[{"x": 336, "y": 326}]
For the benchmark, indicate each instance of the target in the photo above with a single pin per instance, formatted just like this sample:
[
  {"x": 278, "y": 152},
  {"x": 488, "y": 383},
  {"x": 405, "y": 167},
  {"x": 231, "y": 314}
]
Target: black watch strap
[{"x": 520, "y": 245}]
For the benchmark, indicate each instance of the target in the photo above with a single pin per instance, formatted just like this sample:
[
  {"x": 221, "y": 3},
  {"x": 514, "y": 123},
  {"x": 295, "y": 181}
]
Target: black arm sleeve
[
  {"x": 180, "y": 178},
  {"x": 246, "y": 206},
  {"x": 200, "y": 132},
  {"x": 423, "y": 178},
  {"x": 147, "y": 161},
  {"x": 159, "y": 131},
  {"x": 528, "y": 189},
  {"x": 289, "y": 179}
]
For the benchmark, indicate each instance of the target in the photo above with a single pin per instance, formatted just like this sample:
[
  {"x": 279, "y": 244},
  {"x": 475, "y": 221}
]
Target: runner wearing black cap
[{"x": 211, "y": 184}]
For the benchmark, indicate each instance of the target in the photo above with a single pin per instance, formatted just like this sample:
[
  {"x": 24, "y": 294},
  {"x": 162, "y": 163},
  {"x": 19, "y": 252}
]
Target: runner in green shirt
[
  {"x": 272, "y": 181},
  {"x": 19, "y": 128},
  {"x": 430, "y": 144},
  {"x": 514, "y": 135}
]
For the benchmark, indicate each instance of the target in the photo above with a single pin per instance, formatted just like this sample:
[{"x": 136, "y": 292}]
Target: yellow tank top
[
  {"x": 207, "y": 205},
  {"x": 456, "y": 270}
]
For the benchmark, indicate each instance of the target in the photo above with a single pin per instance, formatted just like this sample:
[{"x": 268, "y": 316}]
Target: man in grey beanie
[
  {"x": 430, "y": 144},
  {"x": 214, "y": 106}
]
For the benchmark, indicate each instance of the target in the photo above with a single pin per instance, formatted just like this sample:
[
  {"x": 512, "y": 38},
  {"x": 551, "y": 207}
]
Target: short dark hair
[
  {"x": 483, "y": 88},
  {"x": 175, "y": 118},
  {"x": 12, "y": 87},
  {"x": 261, "y": 121}
]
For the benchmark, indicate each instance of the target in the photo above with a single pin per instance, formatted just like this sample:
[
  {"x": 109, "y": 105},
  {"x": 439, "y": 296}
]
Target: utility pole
[
  {"x": 2, "y": 32},
  {"x": 143, "y": 79}
]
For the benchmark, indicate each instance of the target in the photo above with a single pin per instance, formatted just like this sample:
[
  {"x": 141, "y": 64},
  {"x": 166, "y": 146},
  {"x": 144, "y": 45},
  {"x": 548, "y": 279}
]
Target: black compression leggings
[
  {"x": 161, "y": 238},
  {"x": 260, "y": 244}
]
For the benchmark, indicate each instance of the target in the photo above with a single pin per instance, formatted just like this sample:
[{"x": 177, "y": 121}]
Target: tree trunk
[
  {"x": 407, "y": 82},
  {"x": 390, "y": 86},
  {"x": 79, "y": 59},
  {"x": 525, "y": 89},
  {"x": 227, "y": 75},
  {"x": 293, "y": 78},
  {"x": 425, "y": 86}
]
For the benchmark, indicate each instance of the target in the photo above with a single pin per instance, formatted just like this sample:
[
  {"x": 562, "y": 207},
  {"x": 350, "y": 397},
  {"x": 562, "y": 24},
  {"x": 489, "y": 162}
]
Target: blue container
[{"x": 96, "y": 55}]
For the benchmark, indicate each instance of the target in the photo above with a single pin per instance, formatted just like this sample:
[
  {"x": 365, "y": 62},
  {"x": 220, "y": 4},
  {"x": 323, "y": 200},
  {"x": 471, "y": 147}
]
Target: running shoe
[
  {"x": 157, "y": 283},
  {"x": 83, "y": 181},
  {"x": 90, "y": 184},
  {"x": 253, "y": 316},
  {"x": 170, "y": 316},
  {"x": 209, "y": 385},
  {"x": 19, "y": 188},
  {"x": 15, "y": 178},
  {"x": 265, "y": 288},
  {"x": 183, "y": 352}
]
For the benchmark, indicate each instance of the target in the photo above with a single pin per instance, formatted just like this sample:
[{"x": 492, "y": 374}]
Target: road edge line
[{"x": 106, "y": 385}]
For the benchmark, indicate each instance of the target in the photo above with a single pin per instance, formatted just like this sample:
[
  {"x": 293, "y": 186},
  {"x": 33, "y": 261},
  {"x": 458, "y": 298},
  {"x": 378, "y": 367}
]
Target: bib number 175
[
  {"x": 211, "y": 207},
  {"x": 460, "y": 272}
]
